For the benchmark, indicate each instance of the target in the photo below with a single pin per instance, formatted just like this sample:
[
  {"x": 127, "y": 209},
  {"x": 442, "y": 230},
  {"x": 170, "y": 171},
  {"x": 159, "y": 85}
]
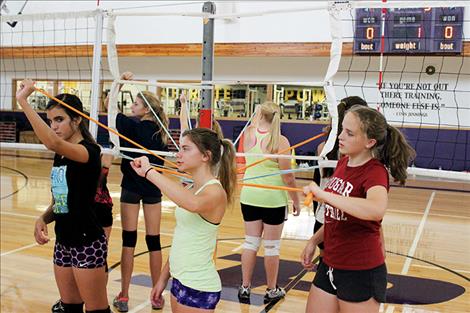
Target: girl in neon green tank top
[
  {"x": 196, "y": 285},
  {"x": 264, "y": 210}
]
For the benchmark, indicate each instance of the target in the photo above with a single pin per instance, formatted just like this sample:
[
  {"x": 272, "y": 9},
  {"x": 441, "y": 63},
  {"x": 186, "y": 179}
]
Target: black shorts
[
  {"x": 270, "y": 216},
  {"x": 104, "y": 213},
  {"x": 353, "y": 286},
  {"x": 128, "y": 196}
]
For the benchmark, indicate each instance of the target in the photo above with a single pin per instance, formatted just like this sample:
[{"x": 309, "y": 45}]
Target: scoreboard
[{"x": 420, "y": 30}]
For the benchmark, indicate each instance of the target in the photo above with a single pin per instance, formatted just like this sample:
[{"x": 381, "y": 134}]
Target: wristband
[{"x": 147, "y": 171}]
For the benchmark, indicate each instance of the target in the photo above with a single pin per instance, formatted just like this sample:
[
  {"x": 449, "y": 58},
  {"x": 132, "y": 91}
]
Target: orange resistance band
[
  {"x": 241, "y": 169},
  {"x": 308, "y": 199},
  {"x": 117, "y": 133}
]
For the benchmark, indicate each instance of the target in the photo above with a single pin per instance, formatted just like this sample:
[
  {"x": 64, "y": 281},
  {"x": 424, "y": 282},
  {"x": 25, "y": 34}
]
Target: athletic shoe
[
  {"x": 58, "y": 307},
  {"x": 274, "y": 294},
  {"x": 121, "y": 303},
  {"x": 244, "y": 293}
]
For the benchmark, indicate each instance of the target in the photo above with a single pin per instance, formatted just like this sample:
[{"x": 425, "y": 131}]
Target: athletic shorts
[
  {"x": 194, "y": 298},
  {"x": 104, "y": 213},
  {"x": 90, "y": 256},
  {"x": 353, "y": 285},
  {"x": 128, "y": 196},
  {"x": 270, "y": 216}
]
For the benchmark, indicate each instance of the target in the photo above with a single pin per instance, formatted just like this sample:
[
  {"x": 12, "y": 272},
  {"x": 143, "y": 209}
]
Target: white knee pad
[
  {"x": 252, "y": 243},
  {"x": 272, "y": 247}
]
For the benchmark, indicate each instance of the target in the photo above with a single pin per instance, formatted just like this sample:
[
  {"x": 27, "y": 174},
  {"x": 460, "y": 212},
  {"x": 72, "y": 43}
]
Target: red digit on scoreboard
[
  {"x": 370, "y": 33},
  {"x": 449, "y": 32}
]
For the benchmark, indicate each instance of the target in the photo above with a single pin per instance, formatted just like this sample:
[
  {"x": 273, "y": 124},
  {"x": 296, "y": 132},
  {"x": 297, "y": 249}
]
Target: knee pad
[
  {"x": 73, "y": 307},
  {"x": 153, "y": 242},
  {"x": 252, "y": 243},
  {"x": 129, "y": 238},
  {"x": 107, "y": 310},
  {"x": 272, "y": 247}
]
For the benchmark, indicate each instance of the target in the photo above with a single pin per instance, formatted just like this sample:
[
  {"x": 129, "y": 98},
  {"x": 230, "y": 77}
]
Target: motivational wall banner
[
  {"x": 433, "y": 104},
  {"x": 414, "y": 92}
]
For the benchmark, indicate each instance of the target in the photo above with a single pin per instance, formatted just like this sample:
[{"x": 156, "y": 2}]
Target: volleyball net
[{"x": 426, "y": 96}]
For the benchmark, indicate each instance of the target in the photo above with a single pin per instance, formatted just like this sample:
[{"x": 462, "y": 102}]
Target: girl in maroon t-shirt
[
  {"x": 353, "y": 276},
  {"x": 320, "y": 177}
]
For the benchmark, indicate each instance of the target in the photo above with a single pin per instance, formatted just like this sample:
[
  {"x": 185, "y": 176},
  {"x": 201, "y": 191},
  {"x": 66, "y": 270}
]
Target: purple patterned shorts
[
  {"x": 91, "y": 256},
  {"x": 194, "y": 298}
]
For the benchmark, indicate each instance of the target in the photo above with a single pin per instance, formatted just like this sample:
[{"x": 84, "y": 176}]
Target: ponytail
[
  {"x": 227, "y": 169},
  {"x": 150, "y": 99},
  {"x": 216, "y": 127},
  {"x": 83, "y": 127},
  {"x": 396, "y": 154},
  {"x": 270, "y": 112}
]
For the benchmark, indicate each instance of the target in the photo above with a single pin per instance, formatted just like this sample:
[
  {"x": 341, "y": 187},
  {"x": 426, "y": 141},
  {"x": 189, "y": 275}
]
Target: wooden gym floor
[{"x": 427, "y": 236}]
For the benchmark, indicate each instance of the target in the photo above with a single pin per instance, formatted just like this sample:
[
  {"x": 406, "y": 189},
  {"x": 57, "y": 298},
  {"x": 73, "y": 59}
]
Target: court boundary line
[
  {"x": 441, "y": 269},
  {"x": 18, "y": 214},
  {"x": 419, "y": 231},
  {"x": 430, "y": 214},
  {"x": 431, "y": 188},
  {"x": 432, "y": 263},
  {"x": 22, "y": 187},
  {"x": 35, "y": 244}
]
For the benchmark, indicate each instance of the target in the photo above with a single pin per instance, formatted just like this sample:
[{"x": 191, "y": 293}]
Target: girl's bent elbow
[
  {"x": 379, "y": 215},
  {"x": 52, "y": 145}
]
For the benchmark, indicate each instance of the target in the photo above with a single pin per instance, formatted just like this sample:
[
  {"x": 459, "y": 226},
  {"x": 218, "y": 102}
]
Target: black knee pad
[
  {"x": 153, "y": 242},
  {"x": 73, "y": 307},
  {"x": 129, "y": 238},
  {"x": 107, "y": 310}
]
